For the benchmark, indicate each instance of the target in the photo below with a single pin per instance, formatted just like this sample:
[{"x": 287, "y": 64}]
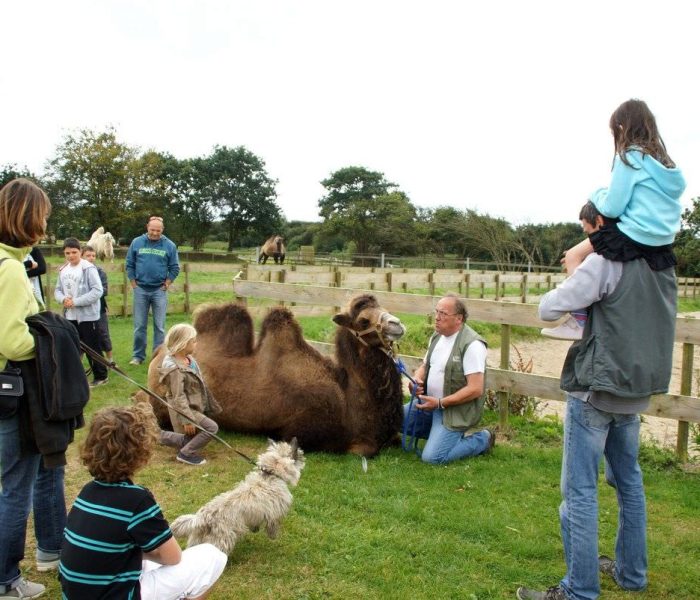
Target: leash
[
  {"x": 409, "y": 441},
  {"x": 112, "y": 365}
]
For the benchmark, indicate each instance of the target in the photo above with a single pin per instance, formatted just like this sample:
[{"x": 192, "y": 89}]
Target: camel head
[{"x": 369, "y": 322}]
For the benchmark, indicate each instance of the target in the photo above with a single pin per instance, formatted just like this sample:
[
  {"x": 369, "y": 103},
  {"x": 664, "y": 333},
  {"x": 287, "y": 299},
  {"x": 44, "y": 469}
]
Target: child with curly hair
[{"x": 117, "y": 543}]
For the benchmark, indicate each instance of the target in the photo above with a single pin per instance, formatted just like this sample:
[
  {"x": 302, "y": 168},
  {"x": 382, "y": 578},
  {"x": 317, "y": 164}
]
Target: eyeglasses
[{"x": 443, "y": 314}]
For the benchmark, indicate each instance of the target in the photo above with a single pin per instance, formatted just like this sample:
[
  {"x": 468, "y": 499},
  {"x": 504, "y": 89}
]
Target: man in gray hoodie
[{"x": 609, "y": 375}]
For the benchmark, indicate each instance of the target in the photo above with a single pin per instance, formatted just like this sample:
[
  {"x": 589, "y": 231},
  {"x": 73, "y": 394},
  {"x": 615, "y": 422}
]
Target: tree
[
  {"x": 445, "y": 230},
  {"x": 364, "y": 208},
  {"x": 9, "y": 172},
  {"x": 98, "y": 178},
  {"x": 687, "y": 246},
  {"x": 242, "y": 191},
  {"x": 490, "y": 238}
]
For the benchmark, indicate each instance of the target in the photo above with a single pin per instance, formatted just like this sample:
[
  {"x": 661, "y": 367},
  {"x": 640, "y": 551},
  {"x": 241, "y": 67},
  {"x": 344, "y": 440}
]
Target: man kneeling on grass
[
  {"x": 117, "y": 543},
  {"x": 450, "y": 389}
]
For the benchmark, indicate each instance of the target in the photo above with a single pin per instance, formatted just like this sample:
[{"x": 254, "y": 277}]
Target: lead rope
[
  {"x": 409, "y": 441},
  {"x": 111, "y": 365}
]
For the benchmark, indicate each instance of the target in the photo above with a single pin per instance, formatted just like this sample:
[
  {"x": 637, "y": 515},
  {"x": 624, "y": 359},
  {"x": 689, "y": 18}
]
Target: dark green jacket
[
  {"x": 627, "y": 344},
  {"x": 462, "y": 416}
]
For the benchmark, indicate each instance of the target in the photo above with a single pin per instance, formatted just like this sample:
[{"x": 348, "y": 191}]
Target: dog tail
[{"x": 183, "y": 525}]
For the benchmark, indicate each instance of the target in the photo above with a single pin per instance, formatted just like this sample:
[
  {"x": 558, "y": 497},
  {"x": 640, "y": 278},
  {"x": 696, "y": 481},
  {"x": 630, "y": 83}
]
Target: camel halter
[{"x": 386, "y": 346}]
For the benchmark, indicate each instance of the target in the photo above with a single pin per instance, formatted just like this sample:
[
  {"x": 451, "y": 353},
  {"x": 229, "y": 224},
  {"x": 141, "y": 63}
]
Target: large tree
[
  {"x": 98, "y": 177},
  {"x": 363, "y": 207},
  {"x": 242, "y": 191}
]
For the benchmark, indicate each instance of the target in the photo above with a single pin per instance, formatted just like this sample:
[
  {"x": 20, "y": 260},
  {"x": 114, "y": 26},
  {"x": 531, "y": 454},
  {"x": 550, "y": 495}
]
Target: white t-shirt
[
  {"x": 70, "y": 280},
  {"x": 474, "y": 361}
]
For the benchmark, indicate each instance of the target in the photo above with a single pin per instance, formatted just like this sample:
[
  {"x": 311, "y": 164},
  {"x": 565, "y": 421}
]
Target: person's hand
[
  {"x": 133, "y": 284},
  {"x": 189, "y": 429},
  {"x": 429, "y": 403},
  {"x": 68, "y": 302},
  {"x": 34, "y": 266},
  {"x": 418, "y": 388}
]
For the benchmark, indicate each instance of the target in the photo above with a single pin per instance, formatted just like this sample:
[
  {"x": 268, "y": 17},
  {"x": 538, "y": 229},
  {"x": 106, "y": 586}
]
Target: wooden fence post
[
  {"x": 242, "y": 300},
  {"x": 431, "y": 283},
  {"x": 186, "y": 270},
  {"x": 686, "y": 385},
  {"x": 388, "y": 282},
  {"x": 498, "y": 286},
  {"x": 523, "y": 285},
  {"x": 503, "y": 400},
  {"x": 467, "y": 282},
  {"x": 281, "y": 276},
  {"x": 125, "y": 292}
]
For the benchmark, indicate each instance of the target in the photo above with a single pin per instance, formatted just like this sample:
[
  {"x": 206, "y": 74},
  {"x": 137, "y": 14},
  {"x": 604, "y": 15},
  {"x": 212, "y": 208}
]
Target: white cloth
[
  {"x": 198, "y": 570},
  {"x": 473, "y": 361}
]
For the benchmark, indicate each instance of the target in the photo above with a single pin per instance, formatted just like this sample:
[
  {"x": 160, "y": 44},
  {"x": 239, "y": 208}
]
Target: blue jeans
[
  {"x": 590, "y": 434},
  {"x": 25, "y": 482},
  {"x": 157, "y": 300},
  {"x": 443, "y": 445}
]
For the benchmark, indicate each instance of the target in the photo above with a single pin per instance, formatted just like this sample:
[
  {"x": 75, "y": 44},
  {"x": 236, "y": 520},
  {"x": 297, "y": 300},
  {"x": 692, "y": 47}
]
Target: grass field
[{"x": 474, "y": 529}]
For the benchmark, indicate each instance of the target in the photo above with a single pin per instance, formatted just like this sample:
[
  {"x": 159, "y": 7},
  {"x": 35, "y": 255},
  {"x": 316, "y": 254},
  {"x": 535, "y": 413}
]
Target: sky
[{"x": 501, "y": 107}]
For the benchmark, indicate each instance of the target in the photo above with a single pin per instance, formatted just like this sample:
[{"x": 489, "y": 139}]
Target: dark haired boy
[
  {"x": 117, "y": 543},
  {"x": 79, "y": 290},
  {"x": 572, "y": 327}
]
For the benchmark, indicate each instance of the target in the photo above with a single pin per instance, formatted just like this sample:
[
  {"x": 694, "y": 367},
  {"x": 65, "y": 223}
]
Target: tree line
[{"x": 95, "y": 179}]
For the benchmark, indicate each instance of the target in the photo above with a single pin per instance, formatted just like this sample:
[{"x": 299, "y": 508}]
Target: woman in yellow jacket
[{"x": 24, "y": 209}]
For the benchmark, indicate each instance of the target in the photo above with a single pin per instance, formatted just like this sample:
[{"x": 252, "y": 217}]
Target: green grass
[{"x": 473, "y": 529}]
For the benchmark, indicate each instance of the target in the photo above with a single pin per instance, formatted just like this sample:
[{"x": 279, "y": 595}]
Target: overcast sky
[{"x": 501, "y": 107}]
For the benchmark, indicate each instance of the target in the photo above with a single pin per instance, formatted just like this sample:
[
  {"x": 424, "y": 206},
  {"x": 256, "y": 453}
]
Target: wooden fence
[
  {"x": 682, "y": 407},
  {"x": 511, "y": 287}
]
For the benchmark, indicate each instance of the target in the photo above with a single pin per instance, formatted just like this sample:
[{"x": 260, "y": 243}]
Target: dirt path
[{"x": 548, "y": 357}]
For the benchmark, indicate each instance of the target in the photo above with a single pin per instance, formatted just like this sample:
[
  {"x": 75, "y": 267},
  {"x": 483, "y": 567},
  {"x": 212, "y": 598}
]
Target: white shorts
[{"x": 198, "y": 570}]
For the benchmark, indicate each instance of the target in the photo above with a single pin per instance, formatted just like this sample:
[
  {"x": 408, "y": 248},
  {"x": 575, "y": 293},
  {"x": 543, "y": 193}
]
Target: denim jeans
[
  {"x": 443, "y": 445},
  {"x": 25, "y": 482},
  {"x": 590, "y": 434},
  {"x": 157, "y": 301}
]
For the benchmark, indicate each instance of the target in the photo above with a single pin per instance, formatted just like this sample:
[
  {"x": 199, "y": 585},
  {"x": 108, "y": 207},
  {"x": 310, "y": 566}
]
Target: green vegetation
[{"x": 474, "y": 529}]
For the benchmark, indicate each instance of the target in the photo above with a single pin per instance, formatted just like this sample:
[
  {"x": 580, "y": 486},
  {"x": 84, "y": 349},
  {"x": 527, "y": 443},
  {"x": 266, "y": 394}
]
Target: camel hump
[{"x": 229, "y": 327}]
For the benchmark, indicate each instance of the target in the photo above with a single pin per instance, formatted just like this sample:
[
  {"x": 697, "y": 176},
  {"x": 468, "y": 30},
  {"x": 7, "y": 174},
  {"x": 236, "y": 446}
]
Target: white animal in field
[
  {"x": 103, "y": 244},
  {"x": 262, "y": 499}
]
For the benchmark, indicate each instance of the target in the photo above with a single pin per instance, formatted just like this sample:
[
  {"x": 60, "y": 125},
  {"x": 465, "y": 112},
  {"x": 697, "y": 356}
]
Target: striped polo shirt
[{"x": 109, "y": 527}]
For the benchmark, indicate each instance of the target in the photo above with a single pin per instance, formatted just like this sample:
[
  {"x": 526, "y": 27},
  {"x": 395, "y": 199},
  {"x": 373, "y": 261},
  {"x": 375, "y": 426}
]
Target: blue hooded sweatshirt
[
  {"x": 150, "y": 262},
  {"x": 646, "y": 198}
]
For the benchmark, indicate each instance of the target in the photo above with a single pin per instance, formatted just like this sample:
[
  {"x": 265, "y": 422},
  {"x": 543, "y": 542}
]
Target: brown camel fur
[
  {"x": 273, "y": 247},
  {"x": 283, "y": 388}
]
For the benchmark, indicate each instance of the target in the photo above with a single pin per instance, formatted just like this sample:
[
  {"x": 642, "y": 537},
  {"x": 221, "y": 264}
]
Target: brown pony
[
  {"x": 283, "y": 388},
  {"x": 273, "y": 247}
]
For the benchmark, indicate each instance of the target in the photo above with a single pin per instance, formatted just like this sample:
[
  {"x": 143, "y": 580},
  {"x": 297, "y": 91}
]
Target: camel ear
[{"x": 342, "y": 319}]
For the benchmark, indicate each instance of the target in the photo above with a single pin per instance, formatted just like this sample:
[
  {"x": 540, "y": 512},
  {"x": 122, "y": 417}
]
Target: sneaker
[
  {"x": 25, "y": 589},
  {"x": 553, "y": 593},
  {"x": 492, "y": 441},
  {"x": 47, "y": 565},
  {"x": 568, "y": 330},
  {"x": 135, "y": 361},
  {"x": 606, "y": 565},
  {"x": 193, "y": 459},
  {"x": 98, "y": 382}
]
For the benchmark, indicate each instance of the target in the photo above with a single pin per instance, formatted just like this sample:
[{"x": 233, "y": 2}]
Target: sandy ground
[{"x": 548, "y": 357}]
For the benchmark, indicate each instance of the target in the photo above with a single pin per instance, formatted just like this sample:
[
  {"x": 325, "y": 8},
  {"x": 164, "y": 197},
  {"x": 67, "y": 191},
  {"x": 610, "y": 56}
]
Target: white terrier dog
[{"x": 261, "y": 499}]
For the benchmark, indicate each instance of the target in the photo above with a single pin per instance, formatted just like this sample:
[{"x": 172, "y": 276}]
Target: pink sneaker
[{"x": 569, "y": 329}]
